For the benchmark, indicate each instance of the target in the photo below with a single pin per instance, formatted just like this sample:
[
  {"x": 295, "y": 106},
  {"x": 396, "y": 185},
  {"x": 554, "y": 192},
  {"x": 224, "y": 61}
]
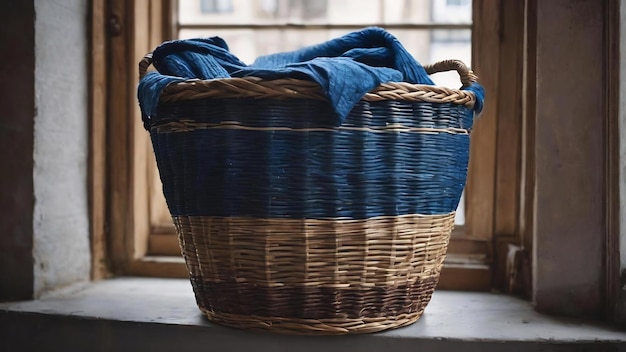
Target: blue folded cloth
[{"x": 346, "y": 68}]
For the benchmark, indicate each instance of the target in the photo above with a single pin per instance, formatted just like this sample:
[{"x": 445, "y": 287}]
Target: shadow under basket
[{"x": 290, "y": 223}]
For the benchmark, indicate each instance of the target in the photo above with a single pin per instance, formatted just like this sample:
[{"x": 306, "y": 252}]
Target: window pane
[
  {"x": 248, "y": 44},
  {"x": 242, "y": 12},
  {"x": 451, "y": 11},
  {"x": 216, "y": 6}
]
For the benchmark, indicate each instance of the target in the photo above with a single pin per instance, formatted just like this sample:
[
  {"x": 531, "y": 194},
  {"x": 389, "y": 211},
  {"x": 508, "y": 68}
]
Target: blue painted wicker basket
[{"x": 290, "y": 223}]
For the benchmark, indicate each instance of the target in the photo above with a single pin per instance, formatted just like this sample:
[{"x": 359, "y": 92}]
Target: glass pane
[
  {"x": 459, "y": 218},
  {"x": 451, "y": 11},
  {"x": 248, "y": 44},
  {"x": 242, "y": 12}
]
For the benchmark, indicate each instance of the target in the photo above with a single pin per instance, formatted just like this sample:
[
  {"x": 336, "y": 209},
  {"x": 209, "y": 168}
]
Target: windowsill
[{"x": 160, "y": 314}]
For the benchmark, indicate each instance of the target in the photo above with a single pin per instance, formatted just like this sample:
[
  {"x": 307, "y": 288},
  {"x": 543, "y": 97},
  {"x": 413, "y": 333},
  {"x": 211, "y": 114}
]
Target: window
[
  {"x": 458, "y": 2},
  {"x": 216, "y": 6},
  {"x": 143, "y": 241},
  {"x": 524, "y": 163},
  {"x": 569, "y": 183}
]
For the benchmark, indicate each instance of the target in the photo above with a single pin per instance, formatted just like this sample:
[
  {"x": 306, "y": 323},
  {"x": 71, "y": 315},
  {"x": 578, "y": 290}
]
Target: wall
[
  {"x": 621, "y": 309},
  {"x": 570, "y": 147},
  {"x": 60, "y": 217},
  {"x": 16, "y": 149},
  {"x": 622, "y": 147}
]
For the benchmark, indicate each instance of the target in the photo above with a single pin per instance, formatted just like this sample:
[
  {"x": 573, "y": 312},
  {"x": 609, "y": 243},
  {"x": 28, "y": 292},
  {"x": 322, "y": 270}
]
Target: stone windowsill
[{"x": 161, "y": 315}]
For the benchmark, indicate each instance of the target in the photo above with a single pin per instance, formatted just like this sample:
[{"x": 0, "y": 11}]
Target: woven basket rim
[{"x": 292, "y": 88}]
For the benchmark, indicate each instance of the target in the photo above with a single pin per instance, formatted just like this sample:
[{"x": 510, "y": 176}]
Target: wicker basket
[{"x": 290, "y": 223}]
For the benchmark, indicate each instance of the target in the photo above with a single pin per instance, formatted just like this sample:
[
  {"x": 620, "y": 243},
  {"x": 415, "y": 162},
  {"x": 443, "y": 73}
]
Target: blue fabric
[{"x": 346, "y": 68}]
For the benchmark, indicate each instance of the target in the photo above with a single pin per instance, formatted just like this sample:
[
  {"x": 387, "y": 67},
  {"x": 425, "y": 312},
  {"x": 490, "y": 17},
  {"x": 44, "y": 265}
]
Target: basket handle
[
  {"x": 144, "y": 64},
  {"x": 465, "y": 73}
]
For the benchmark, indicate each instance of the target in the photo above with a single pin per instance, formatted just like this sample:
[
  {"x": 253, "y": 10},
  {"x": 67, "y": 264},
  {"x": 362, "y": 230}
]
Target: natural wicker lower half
[{"x": 314, "y": 276}]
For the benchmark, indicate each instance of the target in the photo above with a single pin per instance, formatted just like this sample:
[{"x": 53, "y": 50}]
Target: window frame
[{"x": 543, "y": 19}]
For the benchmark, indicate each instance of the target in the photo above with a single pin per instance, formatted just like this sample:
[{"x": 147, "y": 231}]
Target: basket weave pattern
[{"x": 359, "y": 273}]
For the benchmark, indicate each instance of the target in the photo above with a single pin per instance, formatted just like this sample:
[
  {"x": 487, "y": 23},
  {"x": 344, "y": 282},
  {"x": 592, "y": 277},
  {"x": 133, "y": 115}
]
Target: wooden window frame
[
  {"x": 122, "y": 233},
  {"x": 133, "y": 28}
]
